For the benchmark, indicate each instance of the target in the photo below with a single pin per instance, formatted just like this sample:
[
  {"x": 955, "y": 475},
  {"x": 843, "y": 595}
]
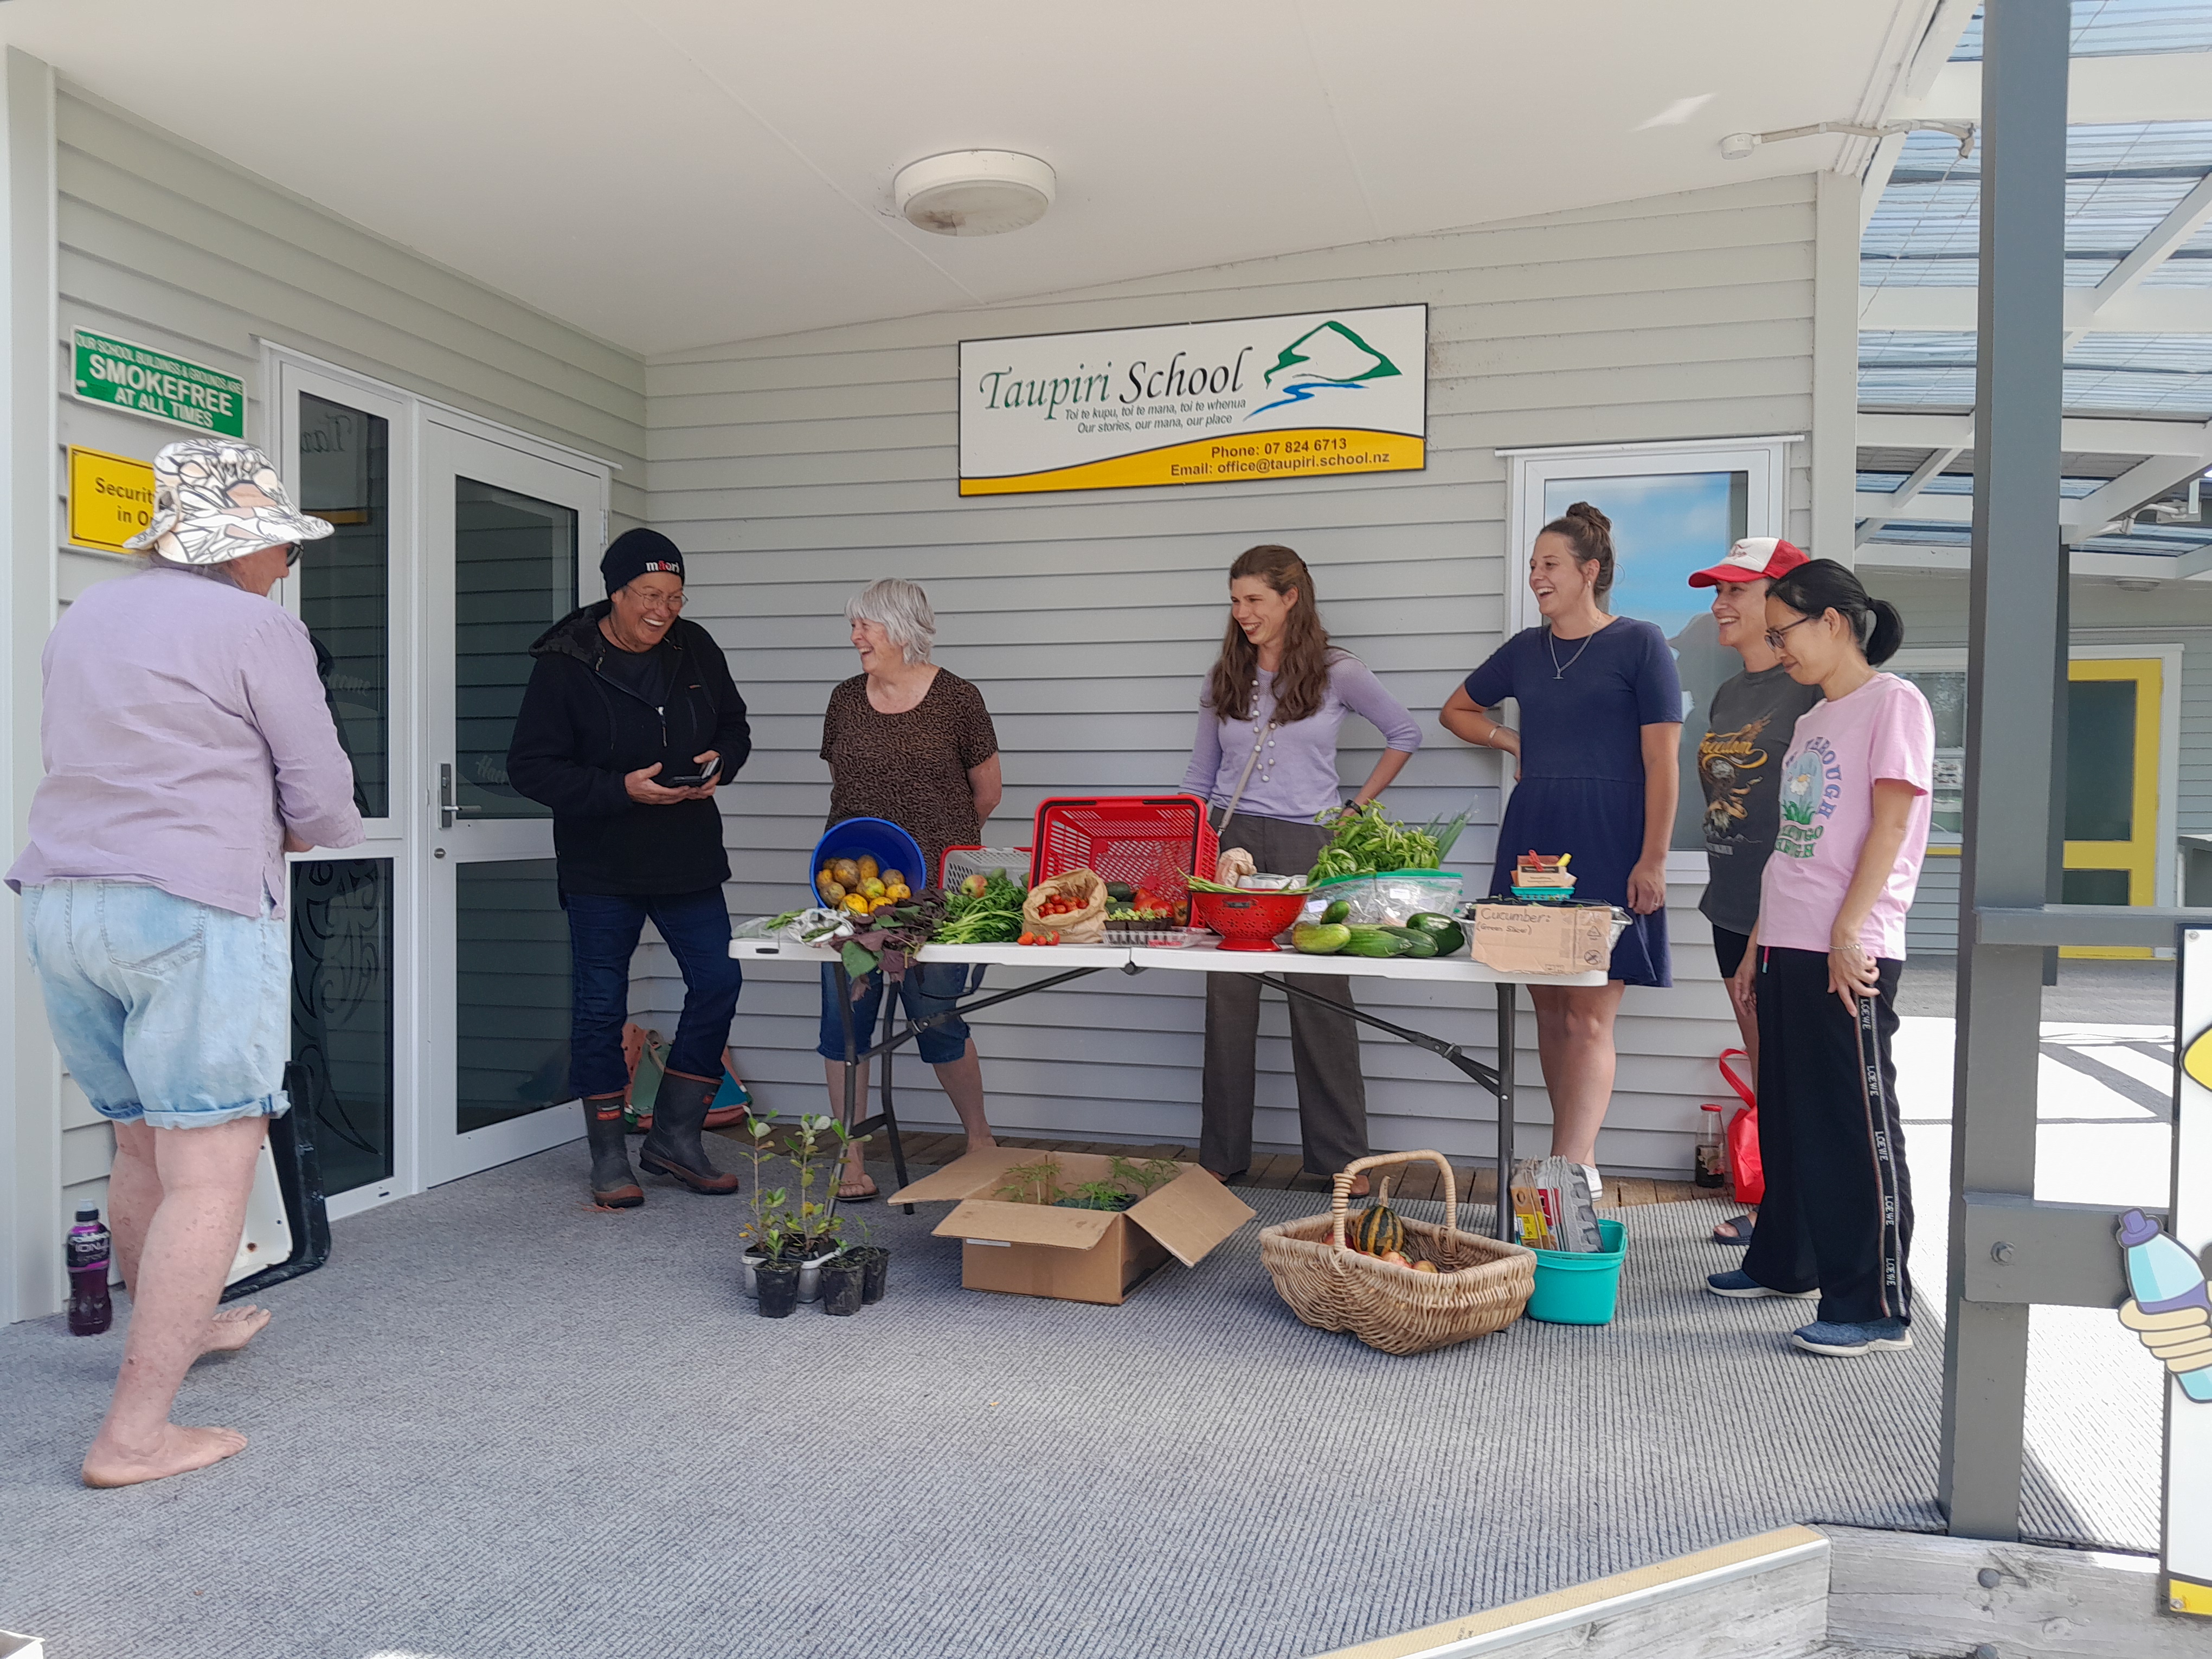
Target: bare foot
[
  {"x": 231, "y": 1328},
  {"x": 856, "y": 1183},
  {"x": 979, "y": 1144},
  {"x": 178, "y": 1451}
]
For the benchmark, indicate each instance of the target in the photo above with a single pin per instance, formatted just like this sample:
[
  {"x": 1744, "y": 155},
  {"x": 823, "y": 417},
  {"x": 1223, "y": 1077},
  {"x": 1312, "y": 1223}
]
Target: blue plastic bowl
[
  {"x": 891, "y": 847},
  {"x": 1580, "y": 1287}
]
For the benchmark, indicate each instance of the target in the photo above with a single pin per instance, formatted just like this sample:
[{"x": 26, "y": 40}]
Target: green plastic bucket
[{"x": 1580, "y": 1287}]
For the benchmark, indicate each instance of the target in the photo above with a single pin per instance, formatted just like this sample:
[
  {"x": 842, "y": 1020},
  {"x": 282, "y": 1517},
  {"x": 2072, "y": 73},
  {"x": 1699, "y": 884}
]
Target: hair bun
[{"x": 1590, "y": 515}]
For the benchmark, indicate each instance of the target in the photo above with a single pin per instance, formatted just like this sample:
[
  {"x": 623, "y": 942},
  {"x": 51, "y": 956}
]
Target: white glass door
[
  {"x": 346, "y": 447},
  {"x": 504, "y": 534}
]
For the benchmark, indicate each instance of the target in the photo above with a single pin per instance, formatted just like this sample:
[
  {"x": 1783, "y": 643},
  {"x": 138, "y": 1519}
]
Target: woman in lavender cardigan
[{"x": 1268, "y": 716}]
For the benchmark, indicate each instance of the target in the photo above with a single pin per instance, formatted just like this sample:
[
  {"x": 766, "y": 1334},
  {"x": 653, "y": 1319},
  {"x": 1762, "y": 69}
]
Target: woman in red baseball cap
[{"x": 1747, "y": 728}]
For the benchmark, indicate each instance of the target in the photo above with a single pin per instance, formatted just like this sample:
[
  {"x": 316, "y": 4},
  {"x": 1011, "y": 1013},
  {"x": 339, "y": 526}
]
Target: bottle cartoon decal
[{"x": 2169, "y": 1307}]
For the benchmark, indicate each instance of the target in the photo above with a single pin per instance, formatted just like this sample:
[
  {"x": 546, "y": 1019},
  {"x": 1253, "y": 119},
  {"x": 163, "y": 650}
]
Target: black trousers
[{"x": 1838, "y": 1212}]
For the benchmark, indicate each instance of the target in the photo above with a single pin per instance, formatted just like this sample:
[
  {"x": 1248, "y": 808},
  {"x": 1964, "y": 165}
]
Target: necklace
[{"x": 1551, "y": 644}]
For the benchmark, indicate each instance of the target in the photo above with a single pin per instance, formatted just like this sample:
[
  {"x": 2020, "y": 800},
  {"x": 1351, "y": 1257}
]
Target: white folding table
[{"x": 1061, "y": 963}]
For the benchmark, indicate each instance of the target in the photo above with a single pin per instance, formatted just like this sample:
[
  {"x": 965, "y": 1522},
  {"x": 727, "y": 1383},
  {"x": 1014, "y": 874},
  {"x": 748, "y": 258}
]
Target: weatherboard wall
[
  {"x": 166, "y": 245},
  {"x": 793, "y": 470}
]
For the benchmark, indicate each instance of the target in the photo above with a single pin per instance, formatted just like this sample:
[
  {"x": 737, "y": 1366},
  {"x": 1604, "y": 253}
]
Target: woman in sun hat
[{"x": 188, "y": 748}]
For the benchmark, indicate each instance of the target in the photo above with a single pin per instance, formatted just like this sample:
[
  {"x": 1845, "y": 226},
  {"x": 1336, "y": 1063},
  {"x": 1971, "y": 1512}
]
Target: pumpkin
[{"x": 1376, "y": 1230}]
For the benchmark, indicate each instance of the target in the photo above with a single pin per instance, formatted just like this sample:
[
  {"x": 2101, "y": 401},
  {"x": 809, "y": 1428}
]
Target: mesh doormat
[{"x": 502, "y": 1426}]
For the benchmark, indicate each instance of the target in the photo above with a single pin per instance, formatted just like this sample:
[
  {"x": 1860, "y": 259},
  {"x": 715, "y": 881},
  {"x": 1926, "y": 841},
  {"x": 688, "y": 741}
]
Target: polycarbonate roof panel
[
  {"x": 2158, "y": 374},
  {"x": 2112, "y": 28},
  {"x": 2122, "y": 180},
  {"x": 1962, "y": 483}
]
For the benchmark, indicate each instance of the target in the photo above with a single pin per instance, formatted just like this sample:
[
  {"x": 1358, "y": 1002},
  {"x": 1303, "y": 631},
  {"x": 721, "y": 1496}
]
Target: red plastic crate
[{"x": 1154, "y": 841}]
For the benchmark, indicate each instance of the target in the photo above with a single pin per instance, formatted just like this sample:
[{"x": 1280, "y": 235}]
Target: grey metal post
[{"x": 2017, "y": 566}]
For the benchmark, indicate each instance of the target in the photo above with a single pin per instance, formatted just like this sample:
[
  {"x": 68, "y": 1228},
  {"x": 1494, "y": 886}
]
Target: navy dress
[{"x": 1583, "y": 706}]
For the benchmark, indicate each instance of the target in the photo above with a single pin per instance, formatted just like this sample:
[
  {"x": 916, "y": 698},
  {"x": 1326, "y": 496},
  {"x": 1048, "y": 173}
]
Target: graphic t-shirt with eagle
[{"x": 1740, "y": 766}]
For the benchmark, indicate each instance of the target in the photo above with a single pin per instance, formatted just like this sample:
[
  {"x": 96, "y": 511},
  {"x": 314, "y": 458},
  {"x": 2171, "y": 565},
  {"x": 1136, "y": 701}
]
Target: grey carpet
[{"x": 500, "y": 1425}]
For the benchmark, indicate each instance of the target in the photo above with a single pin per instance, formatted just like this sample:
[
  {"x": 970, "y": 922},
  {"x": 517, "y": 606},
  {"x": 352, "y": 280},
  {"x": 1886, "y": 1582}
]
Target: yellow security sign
[{"x": 111, "y": 498}]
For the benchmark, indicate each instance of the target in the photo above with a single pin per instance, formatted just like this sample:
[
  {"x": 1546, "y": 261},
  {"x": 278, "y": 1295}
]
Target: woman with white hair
[{"x": 912, "y": 743}]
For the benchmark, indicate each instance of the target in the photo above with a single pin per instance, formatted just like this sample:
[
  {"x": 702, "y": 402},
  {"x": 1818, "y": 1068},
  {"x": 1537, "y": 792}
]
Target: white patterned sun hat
[{"x": 215, "y": 500}]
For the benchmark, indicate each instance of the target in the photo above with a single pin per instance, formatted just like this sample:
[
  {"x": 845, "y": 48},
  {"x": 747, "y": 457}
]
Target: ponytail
[{"x": 1819, "y": 585}]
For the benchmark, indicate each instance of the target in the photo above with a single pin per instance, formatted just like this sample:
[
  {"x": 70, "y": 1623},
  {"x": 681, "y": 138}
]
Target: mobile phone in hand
[{"x": 691, "y": 782}]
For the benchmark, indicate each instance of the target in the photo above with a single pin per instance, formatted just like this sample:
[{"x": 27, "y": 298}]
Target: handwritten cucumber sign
[
  {"x": 1322, "y": 394},
  {"x": 150, "y": 382}
]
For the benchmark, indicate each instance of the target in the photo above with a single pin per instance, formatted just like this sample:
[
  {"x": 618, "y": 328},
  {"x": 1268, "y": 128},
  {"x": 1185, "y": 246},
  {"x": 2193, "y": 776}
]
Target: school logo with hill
[{"x": 1329, "y": 358}]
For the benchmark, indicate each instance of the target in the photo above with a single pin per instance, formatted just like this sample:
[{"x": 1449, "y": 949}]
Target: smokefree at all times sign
[
  {"x": 150, "y": 382},
  {"x": 1318, "y": 395}
]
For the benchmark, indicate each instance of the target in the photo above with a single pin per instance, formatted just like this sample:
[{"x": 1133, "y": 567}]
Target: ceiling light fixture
[
  {"x": 1738, "y": 145},
  {"x": 974, "y": 193}
]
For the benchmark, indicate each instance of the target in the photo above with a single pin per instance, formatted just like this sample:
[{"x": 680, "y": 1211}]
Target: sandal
[
  {"x": 873, "y": 1192},
  {"x": 1741, "y": 1235}
]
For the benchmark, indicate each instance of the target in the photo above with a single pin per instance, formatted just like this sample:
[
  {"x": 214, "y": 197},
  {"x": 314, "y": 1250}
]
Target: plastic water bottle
[
  {"x": 90, "y": 1312},
  {"x": 2163, "y": 1278}
]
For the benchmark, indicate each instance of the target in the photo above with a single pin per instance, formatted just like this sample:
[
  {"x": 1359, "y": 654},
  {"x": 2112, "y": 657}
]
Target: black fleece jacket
[{"x": 579, "y": 732}]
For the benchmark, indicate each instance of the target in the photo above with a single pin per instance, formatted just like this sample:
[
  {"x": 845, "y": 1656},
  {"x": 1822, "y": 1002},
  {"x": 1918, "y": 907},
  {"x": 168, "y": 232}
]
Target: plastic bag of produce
[{"x": 1085, "y": 924}]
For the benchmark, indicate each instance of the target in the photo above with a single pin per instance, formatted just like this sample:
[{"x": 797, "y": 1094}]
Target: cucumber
[
  {"x": 1450, "y": 937},
  {"x": 1379, "y": 942},
  {"x": 1319, "y": 938},
  {"x": 1338, "y": 913},
  {"x": 1120, "y": 892},
  {"x": 1418, "y": 943}
]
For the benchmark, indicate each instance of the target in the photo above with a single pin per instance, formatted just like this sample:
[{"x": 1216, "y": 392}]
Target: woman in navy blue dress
[{"x": 1600, "y": 724}]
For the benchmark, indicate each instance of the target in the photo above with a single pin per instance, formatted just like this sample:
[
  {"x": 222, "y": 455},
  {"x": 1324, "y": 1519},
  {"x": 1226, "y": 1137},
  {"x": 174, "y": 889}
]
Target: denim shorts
[
  {"x": 166, "y": 1009},
  {"x": 926, "y": 988}
]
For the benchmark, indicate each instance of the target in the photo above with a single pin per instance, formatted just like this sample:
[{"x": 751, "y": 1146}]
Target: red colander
[{"x": 1246, "y": 922}]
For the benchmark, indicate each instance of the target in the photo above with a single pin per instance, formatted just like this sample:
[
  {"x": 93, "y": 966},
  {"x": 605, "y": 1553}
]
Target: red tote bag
[{"x": 1749, "y": 1175}]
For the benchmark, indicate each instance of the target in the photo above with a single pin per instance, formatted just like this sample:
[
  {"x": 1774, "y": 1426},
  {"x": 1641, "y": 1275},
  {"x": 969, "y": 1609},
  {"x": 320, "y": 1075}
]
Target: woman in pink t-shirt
[{"x": 1822, "y": 969}]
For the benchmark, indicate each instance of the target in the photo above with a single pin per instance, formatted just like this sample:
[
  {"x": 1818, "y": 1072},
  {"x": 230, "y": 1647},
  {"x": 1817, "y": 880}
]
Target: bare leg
[
  {"x": 205, "y": 1175},
  {"x": 1574, "y": 1042},
  {"x": 962, "y": 1082},
  {"x": 855, "y": 1181},
  {"x": 134, "y": 1193}
]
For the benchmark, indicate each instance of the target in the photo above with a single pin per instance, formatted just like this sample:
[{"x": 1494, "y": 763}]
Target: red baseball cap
[{"x": 1750, "y": 559}]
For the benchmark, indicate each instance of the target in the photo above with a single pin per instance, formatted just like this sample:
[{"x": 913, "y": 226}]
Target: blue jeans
[
  {"x": 603, "y": 935},
  {"x": 926, "y": 988},
  {"x": 165, "y": 1009}
]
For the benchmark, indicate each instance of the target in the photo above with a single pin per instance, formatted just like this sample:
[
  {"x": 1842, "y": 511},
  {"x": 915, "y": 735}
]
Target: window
[
  {"x": 1676, "y": 507},
  {"x": 1942, "y": 678}
]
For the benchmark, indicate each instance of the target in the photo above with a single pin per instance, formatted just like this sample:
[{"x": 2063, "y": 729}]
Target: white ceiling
[{"x": 670, "y": 173}]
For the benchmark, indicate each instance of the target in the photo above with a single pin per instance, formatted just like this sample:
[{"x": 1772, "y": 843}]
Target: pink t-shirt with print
[{"x": 1841, "y": 747}]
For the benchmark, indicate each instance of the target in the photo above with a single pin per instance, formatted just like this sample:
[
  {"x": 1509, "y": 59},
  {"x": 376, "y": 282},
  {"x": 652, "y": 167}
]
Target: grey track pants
[{"x": 1324, "y": 1043}]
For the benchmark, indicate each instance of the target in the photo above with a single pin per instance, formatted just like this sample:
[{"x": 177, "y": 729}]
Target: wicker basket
[{"x": 1481, "y": 1284}]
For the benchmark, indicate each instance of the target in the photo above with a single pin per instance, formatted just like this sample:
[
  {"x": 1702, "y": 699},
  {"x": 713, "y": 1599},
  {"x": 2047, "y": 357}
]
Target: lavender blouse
[
  {"x": 184, "y": 730},
  {"x": 1296, "y": 775}
]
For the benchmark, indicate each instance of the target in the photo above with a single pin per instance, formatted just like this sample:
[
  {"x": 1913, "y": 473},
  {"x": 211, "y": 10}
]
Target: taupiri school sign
[
  {"x": 150, "y": 382},
  {"x": 1321, "y": 394}
]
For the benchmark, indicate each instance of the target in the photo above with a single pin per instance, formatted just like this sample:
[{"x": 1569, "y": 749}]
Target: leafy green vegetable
[
  {"x": 993, "y": 917},
  {"x": 1366, "y": 842}
]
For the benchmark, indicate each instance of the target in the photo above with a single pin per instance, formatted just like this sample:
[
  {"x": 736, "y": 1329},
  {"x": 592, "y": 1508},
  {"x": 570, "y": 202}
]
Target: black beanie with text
[{"x": 635, "y": 552}]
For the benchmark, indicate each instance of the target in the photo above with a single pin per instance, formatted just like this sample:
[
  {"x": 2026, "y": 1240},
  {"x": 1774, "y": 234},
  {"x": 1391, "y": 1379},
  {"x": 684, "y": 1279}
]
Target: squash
[{"x": 1377, "y": 1229}]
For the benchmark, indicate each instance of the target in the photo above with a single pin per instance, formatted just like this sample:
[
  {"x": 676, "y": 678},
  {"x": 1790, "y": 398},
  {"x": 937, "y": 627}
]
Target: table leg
[
  {"x": 889, "y": 1115},
  {"x": 1506, "y": 1022}
]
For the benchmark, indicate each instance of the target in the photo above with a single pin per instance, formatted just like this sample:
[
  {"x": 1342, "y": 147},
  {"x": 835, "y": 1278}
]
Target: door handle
[{"x": 448, "y": 808}]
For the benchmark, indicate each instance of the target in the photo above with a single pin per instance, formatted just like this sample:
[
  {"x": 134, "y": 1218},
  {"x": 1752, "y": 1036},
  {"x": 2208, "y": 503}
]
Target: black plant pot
[
  {"x": 778, "y": 1282},
  {"x": 843, "y": 1281},
  {"x": 875, "y": 1268}
]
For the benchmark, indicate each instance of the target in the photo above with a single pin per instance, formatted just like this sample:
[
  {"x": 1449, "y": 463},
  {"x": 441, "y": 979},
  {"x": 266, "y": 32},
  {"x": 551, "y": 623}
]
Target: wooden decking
[{"x": 1279, "y": 1171}]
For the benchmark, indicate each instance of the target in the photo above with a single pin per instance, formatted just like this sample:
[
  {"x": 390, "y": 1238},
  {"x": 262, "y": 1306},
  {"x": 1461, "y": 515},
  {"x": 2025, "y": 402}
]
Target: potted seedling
[
  {"x": 759, "y": 1149},
  {"x": 1147, "y": 1176},
  {"x": 1034, "y": 1182},
  {"x": 814, "y": 1224},
  {"x": 1099, "y": 1195},
  {"x": 775, "y": 1275},
  {"x": 875, "y": 1263}
]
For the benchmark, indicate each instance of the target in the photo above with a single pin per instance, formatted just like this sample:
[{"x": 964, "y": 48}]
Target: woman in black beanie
[{"x": 629, "y": 724}]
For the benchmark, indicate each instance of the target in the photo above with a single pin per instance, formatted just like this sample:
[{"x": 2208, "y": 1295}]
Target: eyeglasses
[
  {"x": 1774, "y": 635},
  {"x": 657, "y": 601}
]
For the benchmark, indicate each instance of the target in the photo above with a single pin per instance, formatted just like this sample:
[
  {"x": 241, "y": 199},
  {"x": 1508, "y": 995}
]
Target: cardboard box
[
  {"x": 1073, "y": 1255},
  {"x": 1542, "y": 938}
]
